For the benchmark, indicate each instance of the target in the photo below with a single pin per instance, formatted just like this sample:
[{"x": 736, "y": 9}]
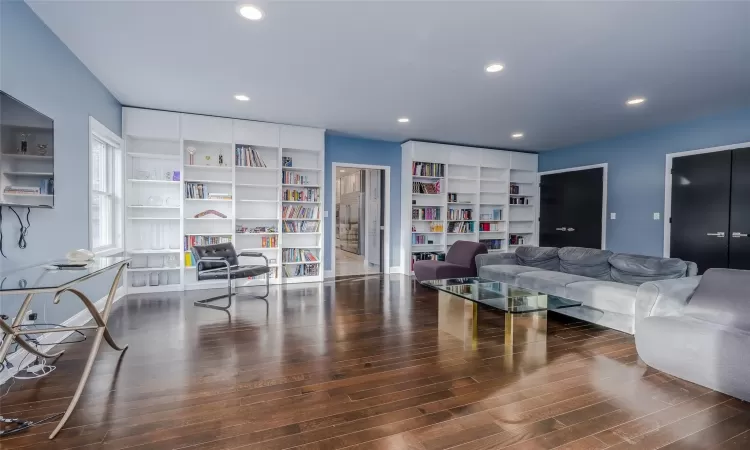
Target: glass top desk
[
  {"x": 44, "y": 278},
  {"x": 526, "y": 310}
]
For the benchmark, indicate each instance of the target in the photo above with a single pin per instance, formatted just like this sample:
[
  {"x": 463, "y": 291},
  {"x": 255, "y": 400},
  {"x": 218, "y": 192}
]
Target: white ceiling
[{"x": 355, "y": 66}]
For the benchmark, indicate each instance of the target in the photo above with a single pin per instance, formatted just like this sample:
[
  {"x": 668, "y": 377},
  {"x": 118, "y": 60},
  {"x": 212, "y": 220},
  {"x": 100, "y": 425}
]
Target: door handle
[
  {"x": 571, "y": 229},
  {"x": 719, "y": 234},
  {"x": 561, "y": 229},
  {"x": 738, "y": 235}
]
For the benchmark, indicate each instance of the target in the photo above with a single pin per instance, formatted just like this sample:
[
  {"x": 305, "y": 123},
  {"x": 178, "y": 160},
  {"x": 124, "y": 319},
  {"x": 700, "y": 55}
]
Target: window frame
[{"x": 115, "y": 181}]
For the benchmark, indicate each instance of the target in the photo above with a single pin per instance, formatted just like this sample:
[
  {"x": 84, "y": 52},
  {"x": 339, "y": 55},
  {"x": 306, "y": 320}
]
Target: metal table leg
[{"x": 101, "y": 332}]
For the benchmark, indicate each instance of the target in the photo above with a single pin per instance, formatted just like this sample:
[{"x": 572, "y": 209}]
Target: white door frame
[
  {"x": 668, "y": 185},
  {"x": 604, "y": 166},
  {"x": 386, "y": 203}
]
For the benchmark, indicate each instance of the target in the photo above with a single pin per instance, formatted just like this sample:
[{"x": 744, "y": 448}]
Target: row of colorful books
[
  {"x": 425, "y": 213},
  {"x": 302, "y": 270},
  {"x": 299, "y": 212},
  {"x": 301, "y": 227},
  {"x": 291, "y": 177},
  {"x": 418, "y": 187},
  {"x": 427, "y": 169},
  {"x": 301, "y": 195},
  {"x": 289, "y": 255}
]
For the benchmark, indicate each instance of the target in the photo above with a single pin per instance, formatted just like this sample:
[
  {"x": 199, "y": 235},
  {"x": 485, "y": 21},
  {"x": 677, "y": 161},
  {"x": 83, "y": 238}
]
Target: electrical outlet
[
  {"x": 30, "y": 318},
  {"x": 657, "y": 216},
  {"x": 613, "y": 216}
]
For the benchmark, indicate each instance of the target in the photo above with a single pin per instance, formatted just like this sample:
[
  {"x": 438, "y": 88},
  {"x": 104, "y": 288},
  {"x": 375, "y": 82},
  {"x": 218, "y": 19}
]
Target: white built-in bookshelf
[
  {"x": 464, "y": 193},
  {"x": 194, "y": 180}
]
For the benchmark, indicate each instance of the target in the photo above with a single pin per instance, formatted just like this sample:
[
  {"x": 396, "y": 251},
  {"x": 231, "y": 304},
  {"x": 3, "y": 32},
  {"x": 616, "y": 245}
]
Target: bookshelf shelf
[
  {"x": 473, "y": 183},
  {"x": 27, "y": 157},
  {"x": 135, "y": 180},
  {"x": 240, "y": 159}
]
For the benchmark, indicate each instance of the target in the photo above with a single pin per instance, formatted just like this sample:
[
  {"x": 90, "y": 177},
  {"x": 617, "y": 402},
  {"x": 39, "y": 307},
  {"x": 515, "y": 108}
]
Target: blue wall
[
  {"x": 636, "y": 173},
  {"x": 39, "y": 70},
  {"x": 340, "y": 149}
]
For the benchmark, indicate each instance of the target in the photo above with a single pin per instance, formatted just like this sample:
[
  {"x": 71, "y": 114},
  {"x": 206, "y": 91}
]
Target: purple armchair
[{"x": 459, "y": 262}]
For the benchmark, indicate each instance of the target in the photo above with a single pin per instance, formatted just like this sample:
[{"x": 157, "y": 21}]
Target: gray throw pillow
[
  {"x": 586, "y": 262},
  {"x": 639, "y": 269},
  {"x": 722, "y": 298},
  {"x": 541, "y": 257}
]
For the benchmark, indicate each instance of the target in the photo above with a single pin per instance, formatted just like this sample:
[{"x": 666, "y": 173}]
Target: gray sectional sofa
[
  {"x": 698, "y": 329},
  {"x": 614, "y": 288}
]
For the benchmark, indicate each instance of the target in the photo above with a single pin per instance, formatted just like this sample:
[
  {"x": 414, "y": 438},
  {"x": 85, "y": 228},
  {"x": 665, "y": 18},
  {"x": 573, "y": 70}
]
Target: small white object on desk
[{"x": 80, "y": 255}]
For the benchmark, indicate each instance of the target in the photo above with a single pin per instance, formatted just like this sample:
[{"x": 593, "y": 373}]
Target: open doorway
[{"x": 360, "y": 215}]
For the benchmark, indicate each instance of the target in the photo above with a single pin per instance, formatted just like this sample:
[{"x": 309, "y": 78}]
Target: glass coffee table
[{"x": 526, "y": 310}]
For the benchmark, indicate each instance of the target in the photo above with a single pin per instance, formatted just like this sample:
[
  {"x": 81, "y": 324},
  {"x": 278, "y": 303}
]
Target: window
[{"x": 105, "y": 178}]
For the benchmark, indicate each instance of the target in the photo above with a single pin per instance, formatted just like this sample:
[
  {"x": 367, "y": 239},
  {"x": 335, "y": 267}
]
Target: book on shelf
[
  {"x": 196, "y": 190},
  {"x": 425, "y": 213},
  {"x": 192, "y": 241},
  {"x": 299, "y": 212},
  {"x": 492, "y": 244},
  {"x": 301, "y": 195},
  {"x": 23, "y": 190},
  {"x": 219, "y": 196},
  {"x": 520, "y": 201},
  {"x": 302, "y": 270},
  {"x": 427, "y": 169},
  {"x": 292, "y": 177},
  {"x": 290, "y": 255},
  {"x": 460, "y": 227},
  {"x": 516, "y": 239},
  {"x": 269, "y": 242},
  {"x": 246, "y": 156},
  {"x": 300, "y": 227},
  {"x": 460, "y": 214},
  {"x": 422, "y": 239},
  {"x": 496, "y": 214},
  {"x": 489, "y": 226},
  {"x": 418, "y": 187}
]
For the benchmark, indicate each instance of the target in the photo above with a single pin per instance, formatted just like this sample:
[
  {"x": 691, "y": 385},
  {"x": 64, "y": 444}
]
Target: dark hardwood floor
[{"x": 361, "y": 364}]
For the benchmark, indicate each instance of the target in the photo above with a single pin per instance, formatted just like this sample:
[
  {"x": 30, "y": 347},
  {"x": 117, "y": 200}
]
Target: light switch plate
[
  {"x": 613, "y": 216},
  {"x": 325, "y": 213},
  {"x": 657, "y": 216}
]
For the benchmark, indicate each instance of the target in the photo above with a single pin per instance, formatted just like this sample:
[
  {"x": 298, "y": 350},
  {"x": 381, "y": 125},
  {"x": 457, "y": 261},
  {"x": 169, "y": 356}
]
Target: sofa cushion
[
  {"x": 722, "y": 298},
  {"x": 439, "y": 270},
  {"x": 505, "y": 273},
  {"x": 463, "y": 253},
  {"x": 604, "y": 295},
  {"x": 549, "y": 282},
  {"x": 638, "y": 269},
  {"x": 587, "y": 262},
  {"x": 541, "y": 257}
]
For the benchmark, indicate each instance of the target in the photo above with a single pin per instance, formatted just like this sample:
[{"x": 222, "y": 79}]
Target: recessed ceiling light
[
  {"x": 636, "y": 101},
  {"x": 342, "y": 170},
  {"x": 516, "y": 135},
  {"x": 242, "y": 97},
  {"x": 250, "y": 12},
  {"x": 403, "y": 120},
  {"x": 494, "y": 68}
]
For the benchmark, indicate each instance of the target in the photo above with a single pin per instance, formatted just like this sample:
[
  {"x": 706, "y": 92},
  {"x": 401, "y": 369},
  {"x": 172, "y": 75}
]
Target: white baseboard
[
  {"x": 19, "y": 360},
  {"x": 397, "y": 269},
  {"x": 328, "y": 274}
]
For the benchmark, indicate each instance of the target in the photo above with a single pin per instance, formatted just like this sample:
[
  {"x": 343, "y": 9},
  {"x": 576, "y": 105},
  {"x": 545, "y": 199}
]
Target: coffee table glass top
[{"x": 499, "y": 295}]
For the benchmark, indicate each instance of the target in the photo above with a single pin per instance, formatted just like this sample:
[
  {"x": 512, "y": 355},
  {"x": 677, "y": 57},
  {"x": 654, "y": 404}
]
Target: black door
[
  {"x": 739, "y": 228},
  {"x": 570, "y": 213},
  {"x": 551, "y": 210},
  {"x": 701, "y": 189}
]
